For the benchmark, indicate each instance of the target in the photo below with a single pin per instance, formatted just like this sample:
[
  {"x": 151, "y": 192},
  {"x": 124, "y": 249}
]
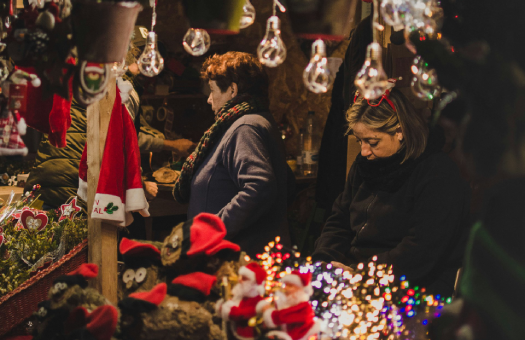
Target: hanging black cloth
[{"x": 331, "y": 175}]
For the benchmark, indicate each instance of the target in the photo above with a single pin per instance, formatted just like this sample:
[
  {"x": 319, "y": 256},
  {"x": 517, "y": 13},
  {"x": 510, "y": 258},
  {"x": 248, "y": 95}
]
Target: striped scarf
[{"x": 228, "y": 114}]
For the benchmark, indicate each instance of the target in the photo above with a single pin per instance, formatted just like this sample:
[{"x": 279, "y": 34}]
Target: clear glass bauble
[{"x": 196, "y": 41}]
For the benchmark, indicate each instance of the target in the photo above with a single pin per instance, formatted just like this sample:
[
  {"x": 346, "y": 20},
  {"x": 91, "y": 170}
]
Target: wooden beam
[{"x": 102, "y": 236}]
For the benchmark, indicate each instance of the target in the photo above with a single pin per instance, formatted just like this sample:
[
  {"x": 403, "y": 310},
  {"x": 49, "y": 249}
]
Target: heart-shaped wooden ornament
[{"x": 31, "y": 222}]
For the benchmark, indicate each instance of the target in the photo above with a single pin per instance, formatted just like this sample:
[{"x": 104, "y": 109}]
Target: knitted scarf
[{"x": 228, "y": 114}]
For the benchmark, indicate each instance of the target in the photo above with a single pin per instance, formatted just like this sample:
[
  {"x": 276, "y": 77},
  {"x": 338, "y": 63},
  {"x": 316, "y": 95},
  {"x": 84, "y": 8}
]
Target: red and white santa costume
[
  {"x": 119, "y": 189},
  {"x": 297, "y": 322},
  {"x": 240, "y": 310}
]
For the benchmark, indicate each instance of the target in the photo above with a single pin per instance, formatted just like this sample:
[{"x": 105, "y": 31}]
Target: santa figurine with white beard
[
  {"x": 294, "y": 314},
  {"x": 247, "y": 301}
]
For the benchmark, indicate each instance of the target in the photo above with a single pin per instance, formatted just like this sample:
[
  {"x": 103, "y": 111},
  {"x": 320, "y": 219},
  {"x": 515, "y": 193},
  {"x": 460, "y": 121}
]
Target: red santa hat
[
  {"x": 192, "y": 287},
  {"x": 119, "y": 189},
  {"x": 144, "y": 302},
  {"x": 134, "y": 249},
  {"x": 204, "y": 234},
  {"x": 256, "y": 274},
  {"x": 78, "y": 276},
  {"x": 299, "y": 279},
  {"x": 101, "y": 324},
  {"x": 11, "y": 143}
]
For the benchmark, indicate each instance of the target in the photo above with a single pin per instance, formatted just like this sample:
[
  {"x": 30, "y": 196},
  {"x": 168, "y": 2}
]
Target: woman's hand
[
  {"x": 150, "y": 189},
  {"x": 182, "y": 147}
]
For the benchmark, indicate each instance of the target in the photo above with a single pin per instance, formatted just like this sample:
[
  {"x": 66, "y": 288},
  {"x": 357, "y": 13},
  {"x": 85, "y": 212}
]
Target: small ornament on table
[
  {"x": 247, "y": 301},
  {"x": 293, "y": 309},
  {"x": 69, "y": 210}
]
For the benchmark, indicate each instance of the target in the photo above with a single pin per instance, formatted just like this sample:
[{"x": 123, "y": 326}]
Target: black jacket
[{"x": 419, "y": 224}]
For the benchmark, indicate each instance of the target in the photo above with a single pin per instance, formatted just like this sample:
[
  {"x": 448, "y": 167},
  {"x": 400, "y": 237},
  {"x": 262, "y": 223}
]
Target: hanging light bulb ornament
[
  {"x": 317, "y": 76},
  {"x": 396, "y": 13},
  {"x": 371, "y": 80},
  {"x": 150, "y": 62},
  {"x": 425, "y": 83},
  {"x": 196, "y": 41},
  {"x": 271, "y": 50},
  {"x": 248, "y": 14},
  {"x": 119, "y": 68}
]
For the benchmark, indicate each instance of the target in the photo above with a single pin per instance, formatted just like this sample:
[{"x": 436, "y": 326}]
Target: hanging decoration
[
  {"x": 371, "y": 80},
  {"x": 425, "y": 83},
  {"x": 150, "y": 62},
  {"x": 119, "y": 68},
  {"x": 317, "y": 76},
  {"x": 396, "y": 13},
  {"x": 69, "y": 210},
  {"x": 271, "y": 50},
  {"x": 196, "y": 41},
  {"x": 32, "y": 220},
  {"x": 248, "y": 14}
]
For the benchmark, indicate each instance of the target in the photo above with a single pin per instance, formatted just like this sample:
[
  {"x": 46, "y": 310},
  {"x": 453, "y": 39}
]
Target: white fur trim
[
  {"x": 136, "y": 201},
  {"x": 218, "y": 306},
  {"x": 248, "y": 273},
  {"x": 101, "y": 201},
  {"x": 267, "y": 317},
  {"x": 82, "y": 189},
  {"x": 21, "y": 126},
  {"x": 296, "y": 280},
  {"x": 226, "y": 309},
  {"x": 293, "y": 279},
  {"x": 124, "y": 87},
  {"x": 261, "y": 290},
  {"x": 280, "y": 335},
  {"x": 260, "y": 305},
  {"x": 12, "y": 152},
  {"x": 315, "y": 329}
]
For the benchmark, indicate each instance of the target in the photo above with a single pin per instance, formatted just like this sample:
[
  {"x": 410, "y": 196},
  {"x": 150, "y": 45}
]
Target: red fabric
[
  {"x": 76, "y": 319},
  {"x": 119, "y": 189},
  {"x": 298, "y": 319},
  {"x": 242, "y": 313},
  {"x": 87, "y": 270},
  {"x": 82, "y": 169},
  {"x": 200, "y": 281},
  {"x": 260, "y": 273},
  {"x": 49, "y": 115},
  {"x": 207, "y": 235},
  {"x": 155, "y": 296},
  {"x": 129, "y": 247},
  {"x": 102, "y": 323}
]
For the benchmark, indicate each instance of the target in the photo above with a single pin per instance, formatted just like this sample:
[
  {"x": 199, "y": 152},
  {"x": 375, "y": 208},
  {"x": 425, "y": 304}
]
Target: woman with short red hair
[{"x": 238, "y": 171}]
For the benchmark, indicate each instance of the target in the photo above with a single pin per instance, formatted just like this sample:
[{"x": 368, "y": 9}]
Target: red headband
[{"x": 385, "y": 96}]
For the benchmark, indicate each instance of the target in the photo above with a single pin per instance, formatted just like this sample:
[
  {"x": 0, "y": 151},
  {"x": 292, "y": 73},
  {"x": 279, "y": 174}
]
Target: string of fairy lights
[{"x": 367, "y": 304}]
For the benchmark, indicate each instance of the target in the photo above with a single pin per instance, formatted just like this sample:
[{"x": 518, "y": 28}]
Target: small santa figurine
[
  {"x": 293, "y": 314},
  {"x": 247, "y": 301}
]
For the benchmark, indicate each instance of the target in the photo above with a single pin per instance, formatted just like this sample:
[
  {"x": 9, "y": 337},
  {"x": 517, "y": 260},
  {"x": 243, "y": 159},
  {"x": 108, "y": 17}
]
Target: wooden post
[{"x": 102, "y": 237}]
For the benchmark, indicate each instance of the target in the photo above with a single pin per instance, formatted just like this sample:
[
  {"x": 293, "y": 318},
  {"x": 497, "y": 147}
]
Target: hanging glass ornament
[
  {"x": 396, "y": 13},
  {"x": 248, "y": 14},
  {"x": 119, "y": 68},
  {"x": 196, "y": 41},
  {"x": 150, "y": 62},
  {"x": 371, "y": 80},
  {"x": 317, "y": 76},
  {"x": 425, "y": 82},
  {"x": 271, "y": 50}
]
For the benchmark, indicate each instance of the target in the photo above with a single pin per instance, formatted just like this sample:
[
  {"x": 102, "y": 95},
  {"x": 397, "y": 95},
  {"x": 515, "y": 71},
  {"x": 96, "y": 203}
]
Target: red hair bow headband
[{"x": 385, "y": 96}]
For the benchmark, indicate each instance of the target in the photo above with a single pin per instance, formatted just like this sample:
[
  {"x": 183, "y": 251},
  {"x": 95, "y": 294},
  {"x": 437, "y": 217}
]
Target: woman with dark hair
[
  {"x": 238, "y": 170},
  {"x": 404, "y": 200}
]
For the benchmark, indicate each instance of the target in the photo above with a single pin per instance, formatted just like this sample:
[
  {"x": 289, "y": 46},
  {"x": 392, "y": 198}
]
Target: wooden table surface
[{"x": 5, "y": 191}]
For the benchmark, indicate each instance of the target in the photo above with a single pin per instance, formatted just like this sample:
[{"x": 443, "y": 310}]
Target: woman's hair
[
  {"x": 241, "y": 68},
  {"x": 382, "y": 118}
]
